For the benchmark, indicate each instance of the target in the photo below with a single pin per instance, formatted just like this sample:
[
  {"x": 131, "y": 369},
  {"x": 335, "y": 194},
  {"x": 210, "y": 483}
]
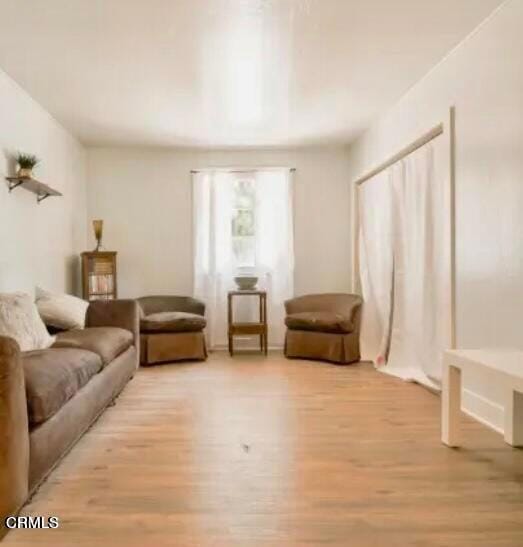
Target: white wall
[
  {"x": 144, "y": 197},
  {"x": 39, "y": 244},
  {"x": 483, "y": 78}
]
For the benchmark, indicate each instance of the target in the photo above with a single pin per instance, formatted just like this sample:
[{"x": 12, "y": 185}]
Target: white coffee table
[{"x": 505, "y": 368}]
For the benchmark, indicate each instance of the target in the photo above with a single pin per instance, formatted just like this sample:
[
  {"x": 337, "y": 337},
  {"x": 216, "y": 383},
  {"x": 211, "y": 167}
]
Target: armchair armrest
[
  {"x": 14, "y": 432},
  {"x": 115, "y": 313},
  {"x": 342, "y": 303},
  {"x": 157, "y": 304}
]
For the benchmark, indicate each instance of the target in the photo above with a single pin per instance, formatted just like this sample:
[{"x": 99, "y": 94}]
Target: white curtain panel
[
  {"x": 405, "y": 265},
  {"x": 420, "y": 328},
  {"x": 214, "y": 264},
  {"x": 213, "y": 257},
  {"x": 376, "y": 266},
  {"x": 275, "y": 245}
]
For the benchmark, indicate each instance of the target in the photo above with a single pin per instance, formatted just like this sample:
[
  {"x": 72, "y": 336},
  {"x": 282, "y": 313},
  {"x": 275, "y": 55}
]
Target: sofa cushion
[
  {"x": 320, "y": 321},
  {"x": 53, "y": 376},
  {"x": 61, "y": 311},
  {"x": 107, "y": 342},
  {"x": 174, "y": 321},
  {"x": 19, "y": 319}
]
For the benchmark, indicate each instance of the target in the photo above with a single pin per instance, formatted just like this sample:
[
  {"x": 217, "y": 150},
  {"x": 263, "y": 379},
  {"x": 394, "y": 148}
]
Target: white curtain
[
  {"x": 420, "y": 326},
  {"x": 214, "y": 263},
  {"x": 413, "y": 247},
  {"x": 275, "y": 245},
  {"x": 213, "y": 257},
  {"x": 376, "y": 266}
]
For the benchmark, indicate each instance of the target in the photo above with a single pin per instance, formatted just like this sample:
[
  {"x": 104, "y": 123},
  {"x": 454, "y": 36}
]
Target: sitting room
[{"x": 260, "y": 273}]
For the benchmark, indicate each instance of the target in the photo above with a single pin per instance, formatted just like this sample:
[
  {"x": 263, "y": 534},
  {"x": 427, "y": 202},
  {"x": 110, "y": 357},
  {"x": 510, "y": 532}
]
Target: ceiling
[{"x": 225, "y": 73}]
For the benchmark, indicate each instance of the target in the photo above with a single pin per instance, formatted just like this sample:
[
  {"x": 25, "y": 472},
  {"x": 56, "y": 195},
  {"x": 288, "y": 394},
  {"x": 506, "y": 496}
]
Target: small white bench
[{"x": 504, "y": 367}]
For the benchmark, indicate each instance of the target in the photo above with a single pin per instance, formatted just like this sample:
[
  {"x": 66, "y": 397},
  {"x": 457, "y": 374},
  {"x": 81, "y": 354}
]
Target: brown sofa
[
  {"x": 324, "y": 327},
  {"x": 171, "y": 329},
  {"x": 49, "y": 398}
]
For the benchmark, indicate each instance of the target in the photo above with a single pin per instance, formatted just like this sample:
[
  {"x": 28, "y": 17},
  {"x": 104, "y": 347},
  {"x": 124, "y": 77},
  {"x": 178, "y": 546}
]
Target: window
[{"x": 244, "y": 222}]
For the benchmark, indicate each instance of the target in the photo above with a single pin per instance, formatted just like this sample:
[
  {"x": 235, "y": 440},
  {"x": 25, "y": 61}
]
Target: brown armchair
[
  {"x": 324, "y": 327},
  {"x": 171, "y": 329}
]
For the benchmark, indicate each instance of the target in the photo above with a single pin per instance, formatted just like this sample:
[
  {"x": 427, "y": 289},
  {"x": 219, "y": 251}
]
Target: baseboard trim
[
  {"x": 483, "y": 410},
  {"x": 474, "y": 405}
]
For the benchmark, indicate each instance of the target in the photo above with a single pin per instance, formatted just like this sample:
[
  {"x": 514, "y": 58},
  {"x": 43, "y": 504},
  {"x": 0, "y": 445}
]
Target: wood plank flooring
[{"x": 256, "y": 451}]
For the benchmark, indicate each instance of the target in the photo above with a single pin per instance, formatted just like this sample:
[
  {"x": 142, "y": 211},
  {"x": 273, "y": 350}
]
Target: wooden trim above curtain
[{"x": 404, "y": 152}]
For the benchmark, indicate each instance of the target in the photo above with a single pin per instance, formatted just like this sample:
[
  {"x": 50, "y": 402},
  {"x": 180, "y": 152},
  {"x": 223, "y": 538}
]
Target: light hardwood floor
[{"x": 255, "y": 451}]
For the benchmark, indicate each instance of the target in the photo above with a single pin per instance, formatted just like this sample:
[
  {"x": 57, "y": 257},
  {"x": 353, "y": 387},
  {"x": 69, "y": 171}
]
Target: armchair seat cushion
[
  {"x": 320, "y": 321},
  {"x": 172, "y": 321},
  {"x": 107, "y": 342},
  {"x": 53, "y": 376}
]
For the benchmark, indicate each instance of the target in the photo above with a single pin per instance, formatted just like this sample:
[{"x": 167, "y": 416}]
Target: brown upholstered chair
[
  {"x": 171, "y": 329},
  {"x": 324, "y": 326}
]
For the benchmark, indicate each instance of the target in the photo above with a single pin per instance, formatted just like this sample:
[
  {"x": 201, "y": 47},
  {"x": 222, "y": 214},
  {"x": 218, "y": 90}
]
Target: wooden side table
[{"x": 259, "y": 328}]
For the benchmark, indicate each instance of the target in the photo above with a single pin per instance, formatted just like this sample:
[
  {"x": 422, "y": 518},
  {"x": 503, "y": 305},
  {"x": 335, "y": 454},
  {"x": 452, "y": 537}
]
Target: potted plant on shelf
[{"x": 26, "y": 164}]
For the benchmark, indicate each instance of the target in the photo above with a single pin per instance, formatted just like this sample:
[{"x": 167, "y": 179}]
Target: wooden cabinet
[{"x": 99, "y": 279}]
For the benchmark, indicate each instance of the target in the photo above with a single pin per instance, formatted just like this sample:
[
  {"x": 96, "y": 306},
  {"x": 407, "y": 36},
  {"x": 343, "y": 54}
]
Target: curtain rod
[
  {"x": 412, "y": 147},
  {"x": 241, "y": 169}
]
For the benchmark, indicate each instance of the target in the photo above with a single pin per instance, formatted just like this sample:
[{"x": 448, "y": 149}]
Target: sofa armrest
[
  {"x": 115, "y": 313},
  {"x": 14, "y": 432}
]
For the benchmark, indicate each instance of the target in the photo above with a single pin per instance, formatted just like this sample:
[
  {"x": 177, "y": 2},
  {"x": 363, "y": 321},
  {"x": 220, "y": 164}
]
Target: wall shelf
[{"x": 42, "y": 191}]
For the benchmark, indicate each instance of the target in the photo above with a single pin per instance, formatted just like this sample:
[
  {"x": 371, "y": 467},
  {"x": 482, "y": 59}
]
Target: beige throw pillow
[
  {"x": 61, "y": 311},
  {"x": 19, "y": 319}
]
